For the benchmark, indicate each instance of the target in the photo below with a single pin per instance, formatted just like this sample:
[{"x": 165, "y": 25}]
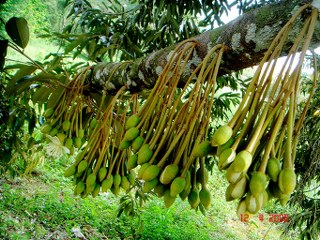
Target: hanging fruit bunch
[
  {"x": 168, "y": 134},
  {"x": 257, "y": 147},
  {"x": 100, "y": 165},
  {"x": 67, "y": 113}
]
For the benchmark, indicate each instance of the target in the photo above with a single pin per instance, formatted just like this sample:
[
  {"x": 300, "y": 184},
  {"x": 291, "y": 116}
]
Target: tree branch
[{"x": 246, "y": 38}]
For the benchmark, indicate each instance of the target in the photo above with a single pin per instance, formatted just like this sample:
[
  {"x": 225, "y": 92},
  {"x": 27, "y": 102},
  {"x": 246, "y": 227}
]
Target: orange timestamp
[{"x": 272, "y": 217}]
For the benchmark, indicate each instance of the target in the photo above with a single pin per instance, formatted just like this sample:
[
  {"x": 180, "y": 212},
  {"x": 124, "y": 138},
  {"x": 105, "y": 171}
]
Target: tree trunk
[{"x": 246, "y": 38}]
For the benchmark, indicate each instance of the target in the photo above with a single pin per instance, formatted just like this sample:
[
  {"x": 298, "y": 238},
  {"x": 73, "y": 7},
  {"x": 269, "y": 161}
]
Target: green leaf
[
  {"x": 3, "y": 52},
  {"x": 18, "y": 30},
  {"x": 25, "y": 70},
  {"x": 41, "y": 95}
]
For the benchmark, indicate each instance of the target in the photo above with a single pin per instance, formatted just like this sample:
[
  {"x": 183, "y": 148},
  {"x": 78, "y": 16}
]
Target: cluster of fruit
[
  {"x": 257, "y": 147},
  {"x": 167, "y": 136},
  {"x": 64, "y": 114}
]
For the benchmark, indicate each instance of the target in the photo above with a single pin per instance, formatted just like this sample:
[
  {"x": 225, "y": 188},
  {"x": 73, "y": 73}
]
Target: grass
[{"x": 43, "y": 207}]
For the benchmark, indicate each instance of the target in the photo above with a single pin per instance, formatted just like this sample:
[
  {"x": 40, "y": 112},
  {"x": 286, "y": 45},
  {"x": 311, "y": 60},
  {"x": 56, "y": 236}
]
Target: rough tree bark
[{"x": 246, "y": 38}]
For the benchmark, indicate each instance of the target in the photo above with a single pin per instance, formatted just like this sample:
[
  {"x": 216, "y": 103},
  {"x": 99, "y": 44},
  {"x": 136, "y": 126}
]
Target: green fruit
[
  {"x": 90, "y": 189},
  {"x": 48, "y": 113},
  {"x": 115, "y": 190},
  {"x": 229, "y": 190},
  {"x": 169, "y": 173},
  {"x": 137, "y": 143},
  {"x": 81, "y": 133},
  {"x": 168, "y": 199},
  {"x": 132, "y": 121},
  {"x": 93, "y": 123},
  {"x": 258, "y": 183},
  {"x": 107, "y": 184},
  {"x": 149, "y": 185},
  {"x": 79, "y": 188},
  {"x": 253, "y": 204},
  {"x": 124, "y": 144},
  {"x": 242, "y": 209},
  {"x": 132, "y": 161},
  {"x": 102, "y": 173},
  {"x": 233, "y": 176},
  {"x": 177, "y": 186},
  {"x": 61, "y": 137},
  {"x": 221, "y": 136},
  {"x": 194, "y": 198},
  {"x": 287, "y": 181},
  {"x": 70, "y": 171},
  {"x": 96, "y": 190},
  {"x": 116, "y": 180},
  {"x": 82, "y": 166},
  {"x": 132, "y": 177},
  {"x": 144, "y": 154},
  {"x": 125, "y": 184},
  {"x": 68, "y": 144},
  {"x": 284, "y": 199},
  {"x": 66, "y": 125},
  {"x": 159, "y": 189},
  {"x": 242, "y": 161},
  {"x": 151, "y": 172},
  {"x": 205, "y": 197},
  {"x": 273, "y": 169},
  {"x": 91, "y": 179},
  {"x": 184, "y": 194},
  {"x": 53, "y": 132},
  {"x": 45, "y": 128},
  {"x": 142, "y": 169},
  {"x": 131, "y": 134},
  {"x": 226, "y": 157},
  {"x": 202, "y": 150},
  {"x": 77, "y": 142},
  {"x": 225, "y": 146},
  {"x": 238, "y": 189}
]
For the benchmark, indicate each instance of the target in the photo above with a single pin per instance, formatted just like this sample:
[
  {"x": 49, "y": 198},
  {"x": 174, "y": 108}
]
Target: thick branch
[{"x": 247, "y": 38}]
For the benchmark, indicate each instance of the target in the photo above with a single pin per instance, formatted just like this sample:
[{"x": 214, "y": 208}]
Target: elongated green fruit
[
  {"x": 205, "y": 198},
  {"x": 169, "y": 173},
  {"x": 221, "y": 136},
  {"x": 132, "y": 177},
  {"x": 258, "y": 183},
  {"x": 194, "y": 198},
  {"x": 253, "y": 204},
  {"x": 226, "y": 157},
  {"x": 151, "y": 172},
  {"x": 66, "y": 125},
  {"x": 144, "y": 154},
  {"x": 242, "y": 161},
  {"x": 159, "y": 189},
  {"x": 70, "y": 171},
  {"x": 93, "y": 123},
  {"x": 177, "y": 186},
  {"x": 137, "y": 143},
  {"x": 124, "y": 144},
  {"x": 132, "y": 162},
  {"x": 142, "y": 169},
  {"x": 273, "y": 169},
  {"x": 82, "y": 166},
  {"x": 149, "y": 185},
  {"x": 131, "y": 134},
  {"x": 125, "y": 184},
  {"x": 116, "y": 180},
  {"x": 203, "y": 149},
  {"x": 79, "y": 188},
  {"x": 132, "y": 121},
  {"x": 91, "y": 179},
  {"x": 45, "y": 128},
  {"x": 48, "y": 113},
  {"x": 102, "y": 173},
  {"x": 107, "y": 184},
  {"x": 96, "y": 190},
  {"x": 168, "y": 199},
  {"x": 287, "y": 181}
]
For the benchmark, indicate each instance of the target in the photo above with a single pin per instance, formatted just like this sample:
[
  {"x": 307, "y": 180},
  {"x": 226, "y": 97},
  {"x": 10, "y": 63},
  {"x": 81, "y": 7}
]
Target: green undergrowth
[{"x": 42, "y": 206}]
